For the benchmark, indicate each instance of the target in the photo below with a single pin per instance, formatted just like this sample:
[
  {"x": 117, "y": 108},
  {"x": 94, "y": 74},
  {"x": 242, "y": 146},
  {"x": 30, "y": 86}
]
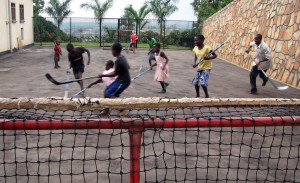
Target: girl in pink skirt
[{"x": 162, "y": 70}]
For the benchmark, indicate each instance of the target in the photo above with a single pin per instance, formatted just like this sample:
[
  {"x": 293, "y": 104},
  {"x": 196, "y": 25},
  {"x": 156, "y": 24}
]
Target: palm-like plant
[
  {"x": 98, "y": 8},
  {"x": 59, "y": 11},
  {"x": 38, "y": 6},
  {"x": 139, "y": 15},
  {"x": 161, "y": 9}
]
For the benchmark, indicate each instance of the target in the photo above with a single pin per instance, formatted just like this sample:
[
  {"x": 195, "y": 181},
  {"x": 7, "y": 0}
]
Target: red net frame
[{"x": 136, "y": 126}]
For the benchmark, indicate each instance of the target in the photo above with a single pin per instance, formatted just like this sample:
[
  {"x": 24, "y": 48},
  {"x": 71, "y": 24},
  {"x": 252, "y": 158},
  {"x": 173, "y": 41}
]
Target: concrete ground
[
  {"x": 23, "y": 75},
  {"x": 255, "y": 154}
]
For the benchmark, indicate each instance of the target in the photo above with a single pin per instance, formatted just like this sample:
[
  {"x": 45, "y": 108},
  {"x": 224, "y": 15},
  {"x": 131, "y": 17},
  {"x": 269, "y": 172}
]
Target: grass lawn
[{"x": 93, "y": 44}]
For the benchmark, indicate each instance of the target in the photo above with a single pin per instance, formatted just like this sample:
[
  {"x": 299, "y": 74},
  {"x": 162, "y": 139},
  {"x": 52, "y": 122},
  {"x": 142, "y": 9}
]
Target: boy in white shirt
[{"x": 263, "y": 59}]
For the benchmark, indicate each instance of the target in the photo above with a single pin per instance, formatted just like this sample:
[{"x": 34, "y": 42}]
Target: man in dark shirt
[
  {"x": 76, "y": 61},
  {"x": 123, "y": 80}
]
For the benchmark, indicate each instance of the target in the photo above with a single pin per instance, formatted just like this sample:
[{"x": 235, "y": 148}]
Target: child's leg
[
  {"x": 162, "y": 83},
  {"x": 197, "y": 91},
  {"x": 58, "y": 58},
  {"x": 55, "y": 61},
  {"x": 133, "y": 48},
  {"x": 78, "y": 76},
  {"x": 205, "y": 91}
]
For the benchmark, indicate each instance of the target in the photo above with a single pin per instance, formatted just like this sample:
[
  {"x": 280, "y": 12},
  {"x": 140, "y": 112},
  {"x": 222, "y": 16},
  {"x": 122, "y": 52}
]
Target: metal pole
[
  {"x": 127, "y": 123},
  {"x": 164, "y": 22},
  {"x": 40, "y": 30},
  {"x": 136, "y": 30},
  {"x": 118, "y": 30},
  {"x": 70, "y": 30},
  {"x": 9, "y": 19},
  {"x": 135, "y": 138},
  {"x": 100, "y": 24}
]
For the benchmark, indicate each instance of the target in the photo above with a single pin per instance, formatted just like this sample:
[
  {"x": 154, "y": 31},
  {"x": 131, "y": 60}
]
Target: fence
[
  {"x": 159, "y": 140},
  {"x": 96, "y": 32}
]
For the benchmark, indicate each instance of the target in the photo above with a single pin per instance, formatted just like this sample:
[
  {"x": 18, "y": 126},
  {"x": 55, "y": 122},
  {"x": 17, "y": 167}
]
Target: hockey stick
[
  {"x": 141, "y": 74},
  {"x": 78, "y": 93},
  {"x": 210, "y": 54},
  {"x": 51, "y": 79},
  {"x": 230, "y": 35},
  {"x": 50, "y": 37},
  {"x": 273, "y": 84},
  {"x": 67, "y": 85},
  {"x": 129, "y": 44},
  {"x": 143, "y": 63}
]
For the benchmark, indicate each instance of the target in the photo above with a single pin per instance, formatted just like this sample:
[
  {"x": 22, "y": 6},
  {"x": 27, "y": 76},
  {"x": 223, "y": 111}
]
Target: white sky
[{"x": 185, "y": 10}]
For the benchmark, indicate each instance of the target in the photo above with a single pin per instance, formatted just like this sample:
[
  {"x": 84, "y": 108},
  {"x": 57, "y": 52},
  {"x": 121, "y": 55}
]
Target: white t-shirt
[
  {"x": 108, "y": 80},
  {"x": 261, "y": 52}
]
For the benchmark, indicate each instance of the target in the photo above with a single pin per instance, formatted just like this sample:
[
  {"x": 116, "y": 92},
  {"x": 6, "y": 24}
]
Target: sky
[{"x": 185, "y": 10}]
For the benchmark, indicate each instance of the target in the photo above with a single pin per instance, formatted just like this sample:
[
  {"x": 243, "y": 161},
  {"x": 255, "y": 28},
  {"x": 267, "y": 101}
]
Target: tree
[
  {"x": 139, "y": 15},
  {"x": 59, "y": 11},
  {"x": 38, "y": 6},
  {"x": 206, "y": 8},
  {"x": 161, "y": 9},
  {"x": 127, "y": 20},
  {"x": 98, "y": 8}
]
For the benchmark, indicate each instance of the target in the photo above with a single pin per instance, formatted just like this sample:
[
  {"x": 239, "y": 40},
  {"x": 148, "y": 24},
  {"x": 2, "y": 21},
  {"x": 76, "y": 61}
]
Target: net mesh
[{"x": 263, "y": 152}]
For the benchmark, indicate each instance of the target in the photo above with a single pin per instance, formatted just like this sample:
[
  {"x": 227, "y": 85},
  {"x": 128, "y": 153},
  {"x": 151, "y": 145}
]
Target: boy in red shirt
[
  {"x": 57, "y": 53},
  {"x": 133, "y": 39}
]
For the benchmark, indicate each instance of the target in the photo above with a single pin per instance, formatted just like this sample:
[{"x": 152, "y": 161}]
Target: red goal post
[{"x": 222, "y": 116}]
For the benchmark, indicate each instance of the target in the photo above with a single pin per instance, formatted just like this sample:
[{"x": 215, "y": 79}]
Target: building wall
[
  {"x": 277, "y": 20},
  {"x": 16, "y": 27}
]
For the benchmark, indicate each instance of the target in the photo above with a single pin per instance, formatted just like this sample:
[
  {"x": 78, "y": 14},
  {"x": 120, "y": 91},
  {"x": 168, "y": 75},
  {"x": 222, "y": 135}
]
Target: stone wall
[{"x": 277, "y": 20}]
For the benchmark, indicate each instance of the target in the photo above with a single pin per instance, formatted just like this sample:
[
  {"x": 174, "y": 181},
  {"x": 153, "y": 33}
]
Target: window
[
  {"x": 13, "y": 12},
  {"x": 22, "y": 38},
  {"x": 22, "y": 13}
]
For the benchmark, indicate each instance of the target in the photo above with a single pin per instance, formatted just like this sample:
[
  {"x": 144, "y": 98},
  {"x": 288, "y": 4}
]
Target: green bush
[
  {"x": 41, "y": 26},
  {"x": 184, "y": 38},
  {"x": 143, "y": 36}
]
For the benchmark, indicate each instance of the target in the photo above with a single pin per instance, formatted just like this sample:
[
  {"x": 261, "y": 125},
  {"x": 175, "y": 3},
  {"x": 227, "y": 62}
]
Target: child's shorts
[
  {"x": 132, "y": 45},
  {"x": 201, "y": 78},
  {"x": 77, "y": 69},
  {"x": 151, "y": 56},
  {"x": 56, "y": 57},
  {"x": 115, "y": 89}
]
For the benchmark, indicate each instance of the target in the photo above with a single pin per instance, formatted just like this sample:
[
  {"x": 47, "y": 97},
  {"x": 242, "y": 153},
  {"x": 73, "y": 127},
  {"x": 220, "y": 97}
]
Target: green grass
[{"x": 93, "y": 44}]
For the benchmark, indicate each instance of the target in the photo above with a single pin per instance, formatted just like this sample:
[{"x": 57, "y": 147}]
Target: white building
[{"x": 16, "y": 24}]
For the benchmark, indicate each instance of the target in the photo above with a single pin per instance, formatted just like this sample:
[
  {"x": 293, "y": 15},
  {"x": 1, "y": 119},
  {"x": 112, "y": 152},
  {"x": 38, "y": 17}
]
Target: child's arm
[
  {"x": 248, "y": 49},
  {"x": 155, "y": 64},
  {"x": 214, "y": 55},
  {"x": 111, "y": 74},
  {"x": 195, "y": 61},
  {"x": 162, "y": 54},
  {"x": 89, "y": 55},
  {"x": 70, "y": 61},
  {"x": 55, "y": 48},
  {"x": 94, "y": 83}
]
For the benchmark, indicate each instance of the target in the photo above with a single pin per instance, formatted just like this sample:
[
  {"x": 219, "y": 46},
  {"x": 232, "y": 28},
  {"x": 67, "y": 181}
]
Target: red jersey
[
  {"x": 133, "y": 38},
  {"x": 57, "y": 50}
]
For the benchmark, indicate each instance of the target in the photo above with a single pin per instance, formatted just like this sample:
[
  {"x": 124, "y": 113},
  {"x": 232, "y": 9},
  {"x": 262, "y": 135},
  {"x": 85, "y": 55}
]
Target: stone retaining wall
[{"x": 277, "y": 20}]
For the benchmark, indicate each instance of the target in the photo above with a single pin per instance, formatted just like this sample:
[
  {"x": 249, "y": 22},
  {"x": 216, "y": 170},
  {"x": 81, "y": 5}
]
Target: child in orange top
[
  {"x": 162, "y": 70},
  {"x": 57, "y": 53},
  {"x": 133, "y": 39}
]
